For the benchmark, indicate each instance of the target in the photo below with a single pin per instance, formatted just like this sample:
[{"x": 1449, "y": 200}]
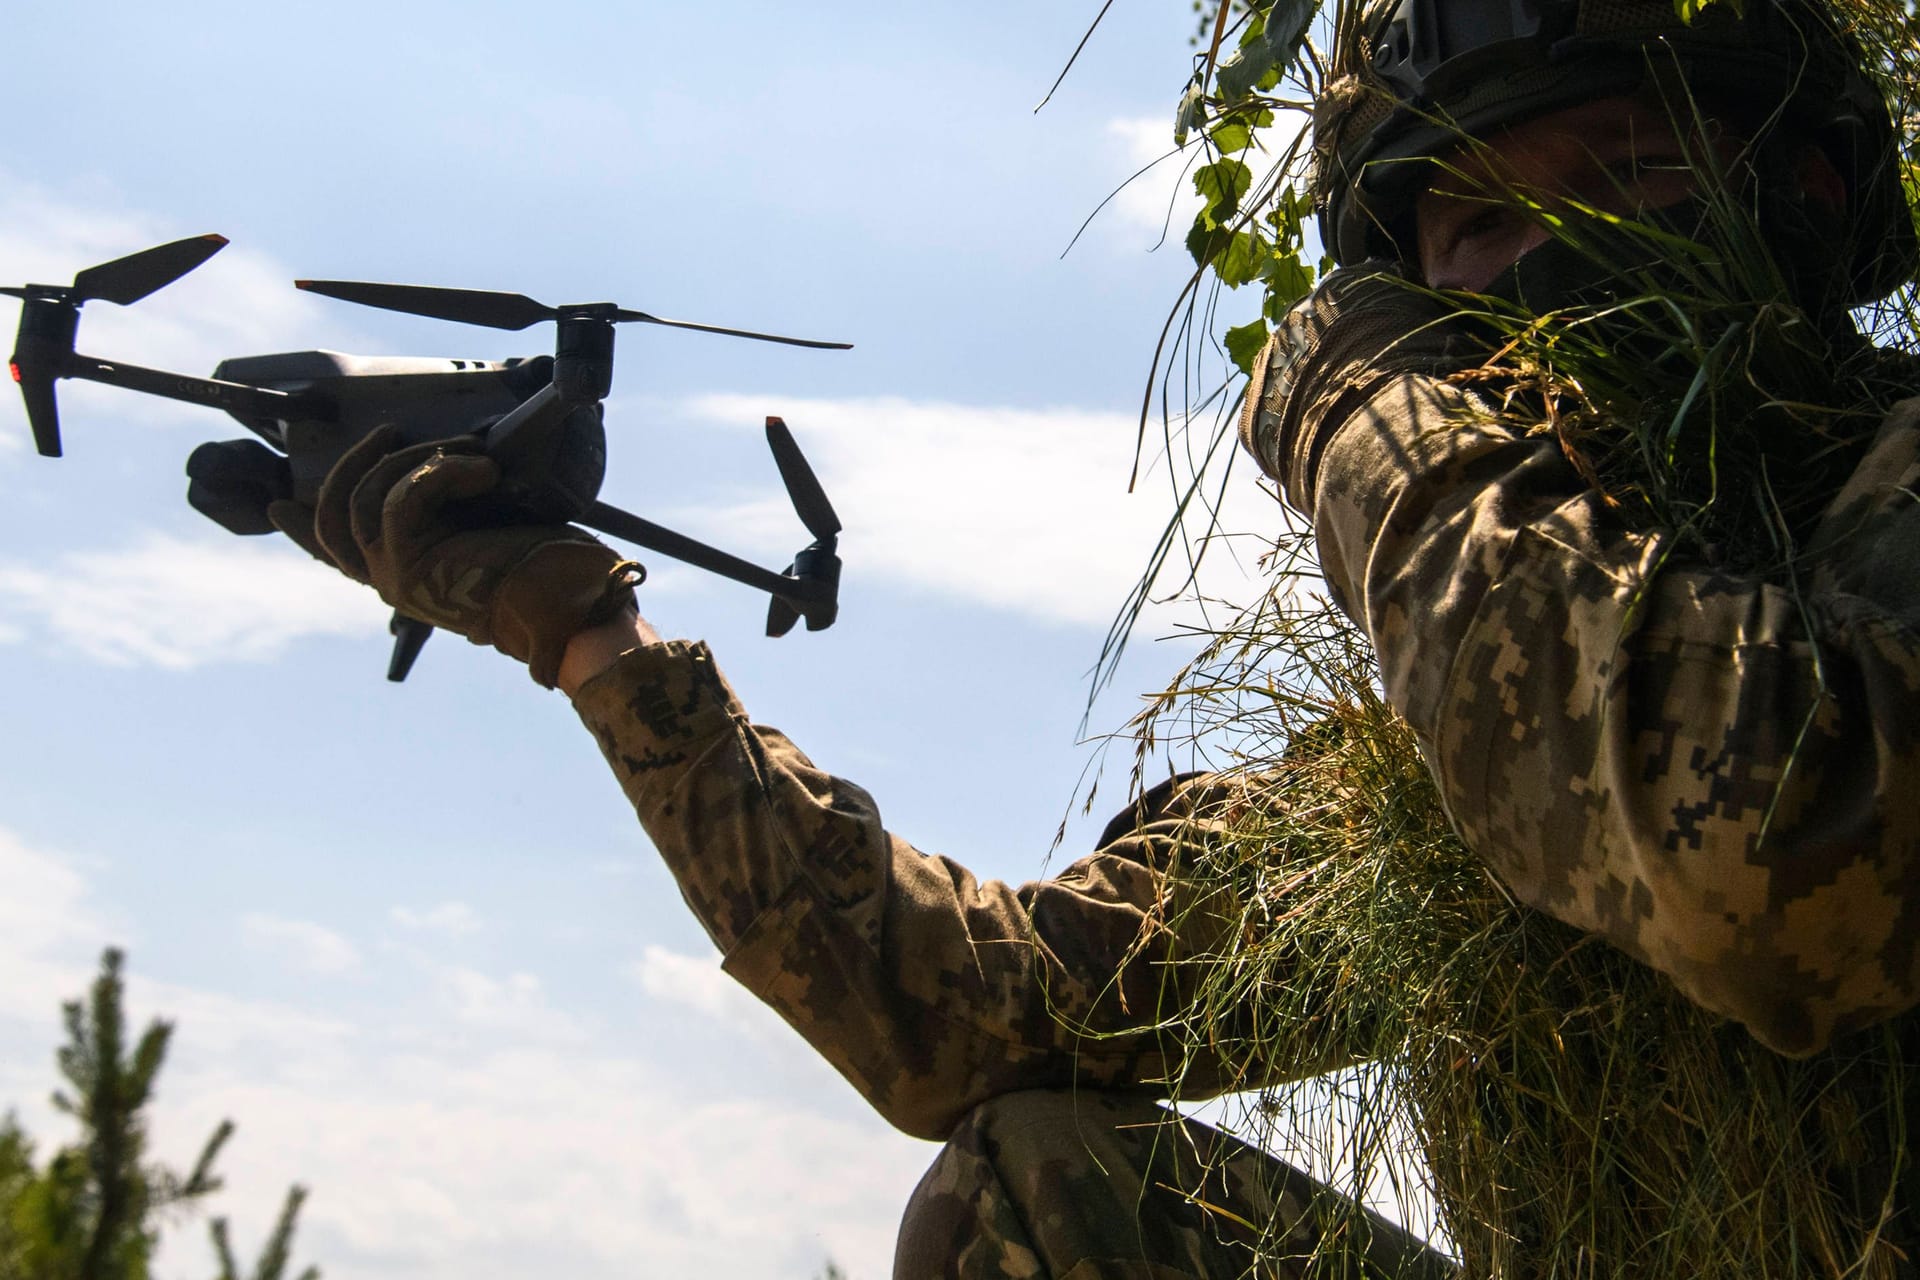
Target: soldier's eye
[{"x": 1483, "y": 223}]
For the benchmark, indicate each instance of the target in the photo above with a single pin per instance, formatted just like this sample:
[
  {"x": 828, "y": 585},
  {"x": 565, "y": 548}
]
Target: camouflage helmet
[{"x": 1423, "y": 73}]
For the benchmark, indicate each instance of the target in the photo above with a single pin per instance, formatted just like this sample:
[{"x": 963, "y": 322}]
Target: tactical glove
[{"x": 404, "y": 522}]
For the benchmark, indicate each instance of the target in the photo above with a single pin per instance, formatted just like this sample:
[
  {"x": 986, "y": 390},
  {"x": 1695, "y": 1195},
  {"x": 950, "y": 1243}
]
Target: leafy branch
[{"x": 94, "y": 1211}]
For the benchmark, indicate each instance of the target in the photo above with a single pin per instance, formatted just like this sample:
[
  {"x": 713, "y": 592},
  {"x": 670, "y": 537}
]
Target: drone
[{"x": 540, "y": 418}]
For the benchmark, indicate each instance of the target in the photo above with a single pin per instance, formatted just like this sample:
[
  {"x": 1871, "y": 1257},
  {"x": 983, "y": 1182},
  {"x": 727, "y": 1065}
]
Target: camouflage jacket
[
  {"x": 1720, "y": 774},
  {"x": 930, "y": 991}
]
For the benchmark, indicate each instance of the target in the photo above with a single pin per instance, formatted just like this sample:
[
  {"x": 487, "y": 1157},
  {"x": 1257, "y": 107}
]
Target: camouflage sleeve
[
  {"x": 928, "y": 990},
  {"x": 1717, "y": 773}
]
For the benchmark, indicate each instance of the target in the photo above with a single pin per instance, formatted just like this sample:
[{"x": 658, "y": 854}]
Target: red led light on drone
[{"x": 13, "y": 367}]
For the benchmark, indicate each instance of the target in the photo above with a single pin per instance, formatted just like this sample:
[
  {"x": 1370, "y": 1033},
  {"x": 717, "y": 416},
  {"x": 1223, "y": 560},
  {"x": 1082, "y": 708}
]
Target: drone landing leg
[{"x": 409, "y": 636}]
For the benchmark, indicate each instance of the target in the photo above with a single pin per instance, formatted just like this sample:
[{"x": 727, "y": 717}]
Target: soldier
[
  {"x": 1709, "y": 767},
  {"x": 1638, "y": 744}
]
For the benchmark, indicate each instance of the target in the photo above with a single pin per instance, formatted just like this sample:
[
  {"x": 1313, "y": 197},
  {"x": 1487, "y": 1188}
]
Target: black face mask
[
  {"x": 1610, "y": 265},
  {"x": 1664, "y": 320},
  {"x": 1807, "y": 246}
]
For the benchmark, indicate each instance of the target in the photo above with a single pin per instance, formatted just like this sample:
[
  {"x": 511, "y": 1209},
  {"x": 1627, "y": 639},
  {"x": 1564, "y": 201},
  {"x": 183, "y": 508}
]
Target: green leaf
[
  {"x": 1288, "y": 280},
  {"x": 1239, "y": 261},
  {"x": 1192, "y": 106},
  {"x": 1244, "y": 344},
  {"x": 1287, "y": 24},
  {"x": 1239, "y": 75},
  {"x": 1204, "y": 240},
  {"x": 1231, "y": 137},
  {"x": 1221, "y": 185},
  {"x": 1288, "y": 216},
  {"x": 1256, "y": 29},
  {"x": 1234, "y": 256},
  {"x": 1263, "y": 55}
]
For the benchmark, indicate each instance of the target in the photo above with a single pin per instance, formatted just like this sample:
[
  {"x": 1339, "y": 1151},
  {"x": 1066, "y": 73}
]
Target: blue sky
[{"x": 415, "y": 943}]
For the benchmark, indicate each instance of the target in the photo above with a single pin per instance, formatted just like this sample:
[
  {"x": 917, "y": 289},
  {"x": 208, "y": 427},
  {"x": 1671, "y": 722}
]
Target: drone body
[
  {"x": 541, "y": 419},
  {"x": 330, "y": 400}
]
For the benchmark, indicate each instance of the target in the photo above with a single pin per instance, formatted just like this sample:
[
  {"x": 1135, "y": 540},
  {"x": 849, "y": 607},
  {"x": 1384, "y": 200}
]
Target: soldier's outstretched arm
[
  {"x": 929, "y": 990},
  {"x": 1715, "y": 771}
]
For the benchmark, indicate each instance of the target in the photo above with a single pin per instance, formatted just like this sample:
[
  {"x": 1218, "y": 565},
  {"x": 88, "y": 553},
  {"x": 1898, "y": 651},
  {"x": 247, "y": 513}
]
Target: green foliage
[
  {"x": 1272, "y": 40},
  {"x": 94, "y": 1212},
  {"x": 1249, "y": 226},
  {"x": 276, "y": 1255},
  {"x": 1221, "y": 185},
  {"x": 1244, "y": 344},
  {"x": 1250, "y": 232},
  {"x": 1241, "y": 250},
  {"x": 1191, "y": 104}
]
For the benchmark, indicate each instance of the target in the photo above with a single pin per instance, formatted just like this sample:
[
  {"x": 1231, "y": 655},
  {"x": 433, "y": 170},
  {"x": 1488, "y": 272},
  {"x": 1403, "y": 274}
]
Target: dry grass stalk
[{"x": 1569, "y": 1113}]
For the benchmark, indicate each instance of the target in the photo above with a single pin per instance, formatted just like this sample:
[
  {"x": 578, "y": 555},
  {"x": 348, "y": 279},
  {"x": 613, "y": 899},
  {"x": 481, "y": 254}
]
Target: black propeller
[
  {"x": 809, "y": 499},
  {"x": 50, "y": 316},
  {"x": 510, "y": 310},
  {"x": 129, "y": 279},
  {"x": 817, "y": 565}
]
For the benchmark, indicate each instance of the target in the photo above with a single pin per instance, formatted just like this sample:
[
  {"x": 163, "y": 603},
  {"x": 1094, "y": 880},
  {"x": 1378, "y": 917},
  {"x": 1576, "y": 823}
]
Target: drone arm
[
  {"x": 525, "y": 438},
  {"x": 645, "y": 533},
  {"x": 245, "y": 402}
]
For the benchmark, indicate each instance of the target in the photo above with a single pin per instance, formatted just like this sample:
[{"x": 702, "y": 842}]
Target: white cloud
[
  {"x": 1018, "y": 509},
  {"x": 275, "y": 1039},
  {"x": 240, "y": 302},
  {"x": 536, "y": 1161},
  {"x": 516, "y": 1005},
  {"x": 50, "y": 929},
  {"x": 1162, "y": 198},
  {"x": 310, "y": 946},
  {"x": 173, "y": 603},
  {"x": 453, "y": 919},
  {"x": 162, "y": 602},
  {"x": 700, "y": 984}
]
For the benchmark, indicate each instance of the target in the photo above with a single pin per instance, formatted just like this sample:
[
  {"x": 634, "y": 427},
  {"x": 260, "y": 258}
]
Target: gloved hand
[
  {"x": 385, "y": 517},
  {"x": 1360, "y": 324}
]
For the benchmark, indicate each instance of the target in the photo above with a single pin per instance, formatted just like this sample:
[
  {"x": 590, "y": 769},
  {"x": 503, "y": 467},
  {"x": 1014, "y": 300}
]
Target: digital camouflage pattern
[
  {"x": 1103, "y": 1186},
  {"x": 1718, "y": 773},
  {"x": 937, "y": 996},
  {"x": 928, "y": 990}
]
